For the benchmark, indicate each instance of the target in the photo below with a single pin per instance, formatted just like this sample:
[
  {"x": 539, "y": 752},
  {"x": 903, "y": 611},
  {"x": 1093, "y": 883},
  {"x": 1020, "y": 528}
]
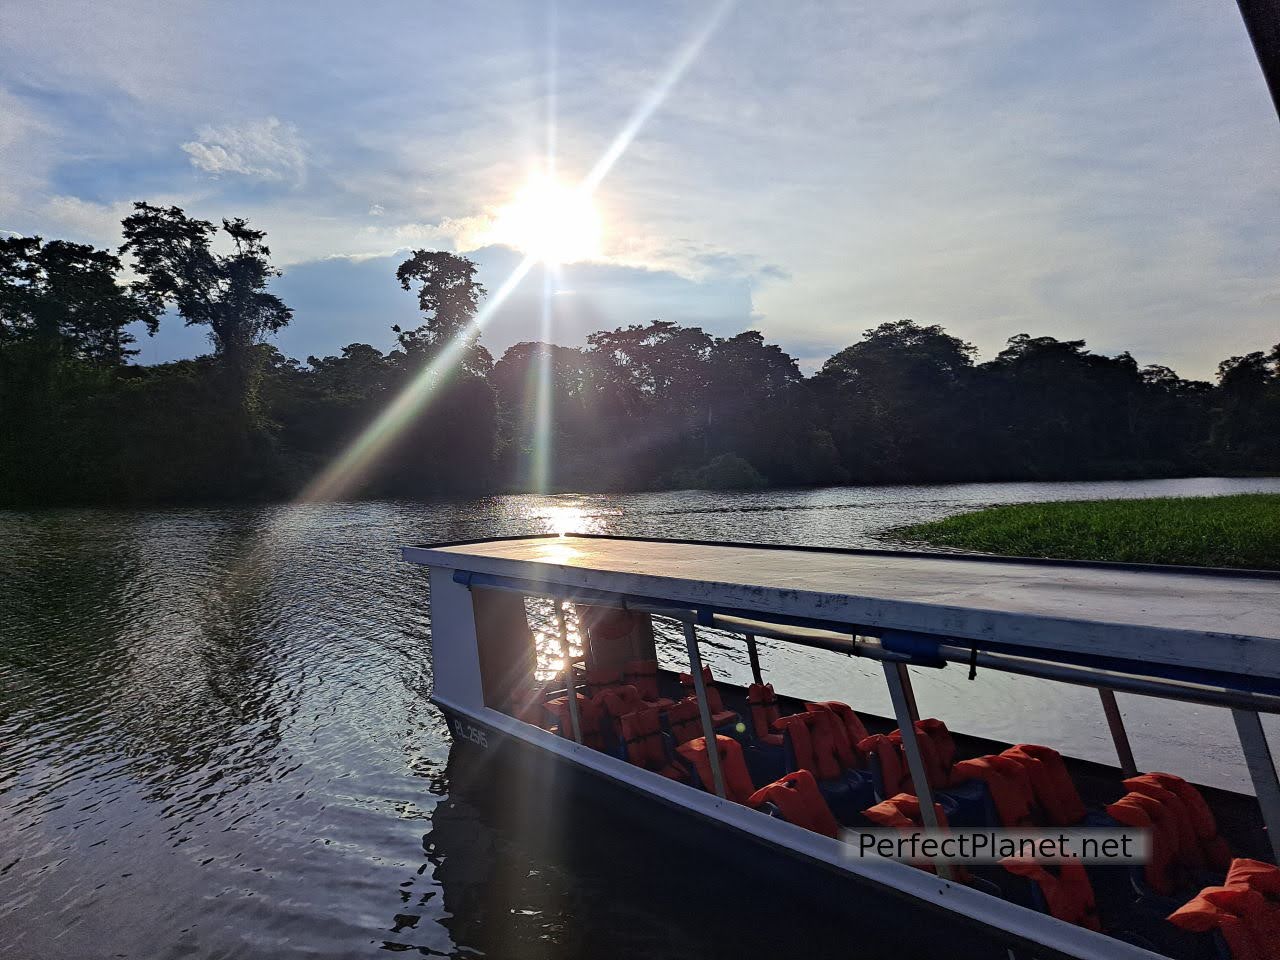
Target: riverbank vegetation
[
  {"x": 1234, "y": 531},
  {"x": 637, "y": 407}
]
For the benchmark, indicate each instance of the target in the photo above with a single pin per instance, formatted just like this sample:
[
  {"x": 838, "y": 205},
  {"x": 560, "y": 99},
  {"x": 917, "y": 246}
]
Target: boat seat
[
  {"x": 1057, "y": 802},
  {"x": 1007, "y": 782},
  {"x": 765, "y": 752},
  {"x": 720, "y": 715},
  {"x": 763, "y": 704},
  {"x": 818, "y": 742},
  {"x": 1060, "y": 890},
  {"x": 797, "y": 800},
  {"x": 737, "y": 780},
  {"x": 1201, "y": 845},
  {"x": 1172, "y": 875},
  {"x": 647, "y": 746},
  {"x": 588, "y": 715},
  {"x": 643, "y": 675},
  {"x": 1241, "y": 917},
  {"x": 615, "y": 704},
  {"x": 599, "y": 679},
  {"x": 903, "y": 812},
  {"x": 684, "y": 721},
  {"x": 969, "y": 801}
]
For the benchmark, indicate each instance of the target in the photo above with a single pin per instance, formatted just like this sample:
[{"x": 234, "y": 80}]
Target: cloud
[
  {"x": 1105, "y": 171},
  {"x": 265, "y": 149},
  {"x": 21, "y": 131}
]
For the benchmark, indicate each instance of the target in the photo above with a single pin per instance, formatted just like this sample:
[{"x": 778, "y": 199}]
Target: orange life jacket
[
  {"x": 1189, "y": 852},
  {"x": 800, "y": 801},
  {"x": 1145, "y": 813},
  {"x": 685, "y": 720},
  {"x": 1066, "y": 889},
  {"x": 1009, "y": 783},
  {"x": 853, "y": 727},
  {"x": 902, "y": 811},
  {"x": 932, "y": 749},
  {"x": 642, "y": 731},
  {"x": 1055, "y": 792},
  {"x": 1215, "y": 850},
  {"x": 600, "y": 679},
  {"x": 1247, "y": 920},
  {"x": 764, "y": 711},
  {"x": 737, "y": 781},
  {"x": 820, "y": 743},
  {"x": 606, "y": 623},
  {"x": 1256, "y": 875},
  {"x": 893, "y": 767},
  {"x": 588, "y": 716},
  {"x": 617, "y": 702},
  {"x": 714, "y": 702},
  {"x": 643, "y": 675},
  {"x": 944, "y": 746}
]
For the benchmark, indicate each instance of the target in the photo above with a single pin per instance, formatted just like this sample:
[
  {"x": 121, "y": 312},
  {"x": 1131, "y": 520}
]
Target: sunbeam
[
  {"x": 344, "y": 474},
  {"x": 650, "y": 104},
  {"x": 542, "y": 372}
]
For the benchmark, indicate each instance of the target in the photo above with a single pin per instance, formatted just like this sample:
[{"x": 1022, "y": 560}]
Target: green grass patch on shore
[{"x": 1235, "y": 531}]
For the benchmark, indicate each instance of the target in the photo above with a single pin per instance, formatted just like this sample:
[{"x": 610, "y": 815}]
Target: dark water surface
[{"x": 215, "y": 739}]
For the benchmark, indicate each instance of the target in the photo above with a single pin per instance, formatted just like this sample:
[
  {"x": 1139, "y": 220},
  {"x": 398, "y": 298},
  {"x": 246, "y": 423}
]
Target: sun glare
[{"x": 550, "y": 222}]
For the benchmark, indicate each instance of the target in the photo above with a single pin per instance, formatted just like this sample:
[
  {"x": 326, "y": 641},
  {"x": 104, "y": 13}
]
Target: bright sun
[{"x": 549, "y": 221}]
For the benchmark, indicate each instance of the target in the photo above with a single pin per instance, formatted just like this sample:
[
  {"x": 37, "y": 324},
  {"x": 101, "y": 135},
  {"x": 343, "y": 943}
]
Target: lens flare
[
  {"x": 345, "y": 473},
  {"x": 550, "y": 224}
]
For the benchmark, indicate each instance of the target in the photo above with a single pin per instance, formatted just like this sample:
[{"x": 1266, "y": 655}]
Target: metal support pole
[
  {"x": 700, "y": 689},
  {"x": 899, "y": 693},
  {"x": 570, "y": 682},
  {"x": 1262, "y": 769},
  {"x": 905, "y": 679},
  {"x": 754, "y": 654},
  {"x": 1118, "y": 735}
]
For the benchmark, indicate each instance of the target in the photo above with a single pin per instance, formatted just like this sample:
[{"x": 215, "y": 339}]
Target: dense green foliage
[
  {"x": 647, "y": 405},
  {"x": 1236, "y": 531}
]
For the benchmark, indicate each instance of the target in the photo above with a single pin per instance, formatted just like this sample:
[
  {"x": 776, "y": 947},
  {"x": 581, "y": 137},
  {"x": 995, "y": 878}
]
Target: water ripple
[{"x": 215, "y": 739}]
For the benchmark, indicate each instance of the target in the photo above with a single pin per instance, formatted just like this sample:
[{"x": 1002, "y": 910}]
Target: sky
[{"x": 1092, "y": 170}]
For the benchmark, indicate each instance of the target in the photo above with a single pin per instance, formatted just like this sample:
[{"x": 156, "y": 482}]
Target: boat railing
[{"x": 899, "y": 650}]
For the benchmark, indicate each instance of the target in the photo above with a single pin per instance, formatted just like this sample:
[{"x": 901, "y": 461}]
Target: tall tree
[
  {"x": 1247, "y": 409},
  {"x": 896, "y": 403},
  {"x": 650, "y": 388},
  {"x": 760, "y": 409},
  {"x": 449, "y": 296},
  {"x": 64, "y": 319},
  {"x": 450, "y": 443},
  {"x": 67, "y": 300},
  {"x": 225, "y": 292}
]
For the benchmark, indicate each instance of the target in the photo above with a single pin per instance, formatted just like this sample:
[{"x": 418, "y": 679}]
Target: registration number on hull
[{"x": 465, "y": 731}]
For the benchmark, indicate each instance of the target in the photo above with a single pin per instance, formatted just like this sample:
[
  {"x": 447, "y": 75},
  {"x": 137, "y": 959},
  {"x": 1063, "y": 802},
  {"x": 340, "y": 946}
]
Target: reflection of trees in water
[
  {"x": 156, "y": 632},
  {"x": 63, "y": 600}
]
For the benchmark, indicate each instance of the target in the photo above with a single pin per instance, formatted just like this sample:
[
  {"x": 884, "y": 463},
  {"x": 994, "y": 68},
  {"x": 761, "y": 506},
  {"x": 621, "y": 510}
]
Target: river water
[{"x": 215, "y": 739}]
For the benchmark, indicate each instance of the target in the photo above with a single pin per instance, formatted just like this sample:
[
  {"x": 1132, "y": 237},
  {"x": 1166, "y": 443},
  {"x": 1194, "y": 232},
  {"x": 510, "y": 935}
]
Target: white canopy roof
[{"x": 1201, "y": 620}]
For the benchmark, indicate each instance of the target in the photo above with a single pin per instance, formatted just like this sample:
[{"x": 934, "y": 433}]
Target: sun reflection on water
[{"x": 550, "y": 658}]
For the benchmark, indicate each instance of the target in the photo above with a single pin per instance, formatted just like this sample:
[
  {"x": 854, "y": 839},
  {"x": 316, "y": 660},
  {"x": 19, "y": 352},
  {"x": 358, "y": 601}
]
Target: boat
[{"x": 544, "y": 653}]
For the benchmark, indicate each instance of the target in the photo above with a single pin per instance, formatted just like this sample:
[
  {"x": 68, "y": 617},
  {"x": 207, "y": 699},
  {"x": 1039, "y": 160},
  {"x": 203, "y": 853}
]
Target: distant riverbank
[{"x": 1231, "y": 531}]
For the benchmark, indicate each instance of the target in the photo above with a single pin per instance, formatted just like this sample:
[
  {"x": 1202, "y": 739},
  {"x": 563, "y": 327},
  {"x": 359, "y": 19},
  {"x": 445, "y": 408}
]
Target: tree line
[{"x": 643, "y": 406}]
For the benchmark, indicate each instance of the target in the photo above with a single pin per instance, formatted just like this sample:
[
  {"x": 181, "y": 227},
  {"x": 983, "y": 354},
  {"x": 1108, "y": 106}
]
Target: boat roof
[{"x": 1208, "y": 622}]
